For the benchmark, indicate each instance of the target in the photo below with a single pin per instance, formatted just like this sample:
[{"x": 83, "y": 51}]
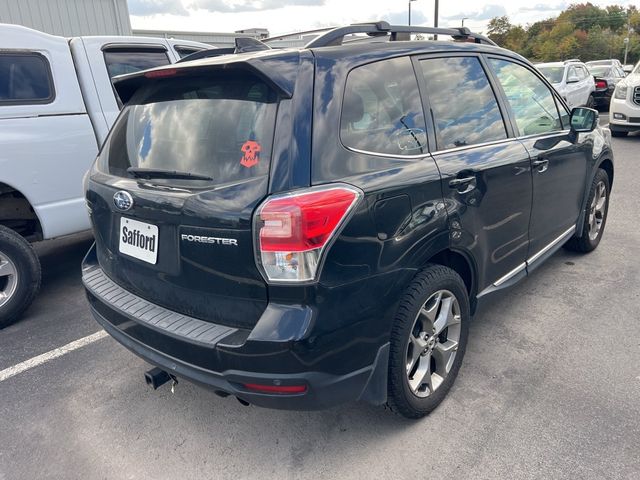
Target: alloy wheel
[
  {"x": 597, "y": 210},
  {"x": 8, "y": 279},
  {"x": 433, "y": 343}
]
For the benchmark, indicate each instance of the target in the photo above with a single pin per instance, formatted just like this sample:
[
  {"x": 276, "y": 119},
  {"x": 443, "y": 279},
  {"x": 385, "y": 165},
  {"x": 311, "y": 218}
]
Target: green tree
[{"x": 498, "y": 28}]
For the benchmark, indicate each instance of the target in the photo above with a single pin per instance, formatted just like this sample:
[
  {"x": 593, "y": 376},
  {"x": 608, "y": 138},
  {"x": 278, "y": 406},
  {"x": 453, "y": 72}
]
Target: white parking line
[{"x": 45, "y": 357}]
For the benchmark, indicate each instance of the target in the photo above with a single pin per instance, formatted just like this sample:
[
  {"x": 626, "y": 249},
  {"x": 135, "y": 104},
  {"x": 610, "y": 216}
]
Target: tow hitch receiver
[{"x": 156, "y": 378}]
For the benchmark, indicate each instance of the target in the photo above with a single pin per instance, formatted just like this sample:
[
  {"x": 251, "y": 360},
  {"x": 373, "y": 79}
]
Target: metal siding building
[{"x": 69, "y": 18}]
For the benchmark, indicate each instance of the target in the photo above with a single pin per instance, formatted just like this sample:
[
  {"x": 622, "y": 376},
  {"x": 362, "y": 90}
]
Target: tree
[
  {"x": 498, "y": 28},
  {"x": 582, "y": 30}
]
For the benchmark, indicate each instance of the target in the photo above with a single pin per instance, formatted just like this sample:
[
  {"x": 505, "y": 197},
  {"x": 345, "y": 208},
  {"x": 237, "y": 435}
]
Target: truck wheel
[
  {"x": 428, "y": 341},
  {"x": 19, "y": 275},
  {"x": 595, "y": 217}
]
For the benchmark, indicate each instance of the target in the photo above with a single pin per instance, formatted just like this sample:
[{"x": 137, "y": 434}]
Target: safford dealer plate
[{"x": 139, "y": 240}]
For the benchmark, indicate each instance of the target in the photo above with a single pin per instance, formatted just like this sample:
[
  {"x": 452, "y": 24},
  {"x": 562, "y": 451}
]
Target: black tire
[
  {"x": 584, "y": 243},
  {"x": 401, "y": 398},
  {"x": 618, "y": 133},
  {"x": 15, "y": 248},
  {"x": 591, "y": 102}
]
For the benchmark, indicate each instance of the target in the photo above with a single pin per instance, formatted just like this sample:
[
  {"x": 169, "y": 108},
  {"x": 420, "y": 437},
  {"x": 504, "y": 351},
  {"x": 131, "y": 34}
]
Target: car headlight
[{"x": 621, "y": 91}]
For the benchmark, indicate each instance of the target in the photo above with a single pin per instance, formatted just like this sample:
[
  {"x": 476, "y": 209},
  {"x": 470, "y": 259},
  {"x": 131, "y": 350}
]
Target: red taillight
[
  {"x": 293, "y": 230},
  {"x": 276, "y": 388},
  {"x": 601, "y": 84},
  {"x": 167, "y": 72}
]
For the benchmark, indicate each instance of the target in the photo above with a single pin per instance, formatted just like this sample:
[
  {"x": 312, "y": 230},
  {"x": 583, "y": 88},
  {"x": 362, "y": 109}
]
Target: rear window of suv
[{"x": 218, "y": 126}]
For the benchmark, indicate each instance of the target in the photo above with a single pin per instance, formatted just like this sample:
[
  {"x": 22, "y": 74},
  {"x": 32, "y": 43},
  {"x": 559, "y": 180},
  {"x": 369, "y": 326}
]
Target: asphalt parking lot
[{"x": 550, "y": 388}]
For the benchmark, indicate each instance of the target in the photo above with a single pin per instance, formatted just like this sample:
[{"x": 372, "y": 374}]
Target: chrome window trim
[
  {"x": 483, "y": 144},
  {"x": 436, "y": 152},
  {"x": 542, "y": 136},
  {"x": 388, "y": 155}
]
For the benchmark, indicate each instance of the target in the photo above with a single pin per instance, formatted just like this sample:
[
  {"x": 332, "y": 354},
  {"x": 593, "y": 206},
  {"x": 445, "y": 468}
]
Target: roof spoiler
[
  {"x": 271, "y": 72},
  {"x": 395, "y": 32}
]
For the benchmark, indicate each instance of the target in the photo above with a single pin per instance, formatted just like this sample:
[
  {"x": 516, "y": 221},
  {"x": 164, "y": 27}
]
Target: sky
[{"x": 286, "y": 16}]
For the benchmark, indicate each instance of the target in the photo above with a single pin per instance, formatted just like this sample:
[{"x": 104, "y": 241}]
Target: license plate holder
[{"x": 139, "y": 240}]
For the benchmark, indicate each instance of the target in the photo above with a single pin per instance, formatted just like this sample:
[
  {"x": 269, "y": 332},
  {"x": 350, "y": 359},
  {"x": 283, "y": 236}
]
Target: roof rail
[
  {"x": 296, "y": 34},
  {"x": 378, "y": 29}
]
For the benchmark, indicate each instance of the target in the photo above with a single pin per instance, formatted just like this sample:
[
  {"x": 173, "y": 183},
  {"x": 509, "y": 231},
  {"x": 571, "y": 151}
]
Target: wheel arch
[
  {"x": 463, "y": 265},
  {"x": 607, "y": 165},
  {"x": 18, "y": 214}
]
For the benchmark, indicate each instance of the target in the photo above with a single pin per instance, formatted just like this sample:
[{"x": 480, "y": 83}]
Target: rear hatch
[{"x": 174, "y": 188}]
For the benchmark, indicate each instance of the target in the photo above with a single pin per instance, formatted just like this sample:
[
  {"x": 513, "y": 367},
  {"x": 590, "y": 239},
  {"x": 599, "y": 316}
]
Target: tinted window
[
  {"x": 220, "y": 126},
  {"x": 121, "y": 61},
  {"x": 531, "y": 101},
  {"x": 382, "y": 111},
  {"x": 464, "y": 107},
  {"x": 25, "y": 78}
]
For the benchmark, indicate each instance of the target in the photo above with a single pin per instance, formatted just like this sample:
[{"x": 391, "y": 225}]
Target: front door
[{"x": 558, "y": 163}]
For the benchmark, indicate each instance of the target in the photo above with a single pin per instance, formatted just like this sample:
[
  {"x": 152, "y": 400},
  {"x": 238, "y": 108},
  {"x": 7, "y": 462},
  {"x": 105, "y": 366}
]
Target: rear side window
[
  {"x": 382, "y": 111},
  {"x": 25, "y": 78},
  {"x": 122, "y": 61},
  {"x": 216, "y": 125},
  {"x": 184, "y": 51},
  {"x": 530, "y": 99},
  {"x": 464, "y": 107}
]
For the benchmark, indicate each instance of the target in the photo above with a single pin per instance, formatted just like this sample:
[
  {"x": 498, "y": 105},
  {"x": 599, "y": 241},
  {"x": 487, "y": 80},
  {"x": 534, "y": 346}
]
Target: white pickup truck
[{"x": 57, "y": 105}]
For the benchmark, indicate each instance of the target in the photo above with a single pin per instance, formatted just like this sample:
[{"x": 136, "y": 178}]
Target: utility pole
[
  {"x": 410, "y": 11},
  {"x": 464, "y": 18},
  {"x": 626, "y": 40},
  {"x": 435, "y": 18}
]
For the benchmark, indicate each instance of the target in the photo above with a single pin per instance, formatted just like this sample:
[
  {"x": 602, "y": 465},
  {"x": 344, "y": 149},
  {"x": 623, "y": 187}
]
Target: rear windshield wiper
[{"x": 162, "y": 173}]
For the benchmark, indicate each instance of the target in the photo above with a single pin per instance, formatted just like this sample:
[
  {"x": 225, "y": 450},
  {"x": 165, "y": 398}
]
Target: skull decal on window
[{"x": 251, "y": 154}]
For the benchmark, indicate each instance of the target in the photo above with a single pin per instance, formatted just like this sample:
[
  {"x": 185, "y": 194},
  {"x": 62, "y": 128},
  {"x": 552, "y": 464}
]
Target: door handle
[
  {"x": 542, "y": 164},
  {"x": 459, "y": 182}
]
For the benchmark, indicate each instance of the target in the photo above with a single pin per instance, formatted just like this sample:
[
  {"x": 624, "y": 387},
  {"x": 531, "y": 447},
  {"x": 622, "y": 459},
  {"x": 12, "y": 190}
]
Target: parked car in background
[
  {"x": 606, "y": 77},
  {"x": 572, "y": 81},
  {"x": 57, "y": 105},
  {"x": 628, "y": 68},
  {"x": 324, "y": 225},
  {"x": 609, "y": 61},
  {"x": 624, "y": 111}
]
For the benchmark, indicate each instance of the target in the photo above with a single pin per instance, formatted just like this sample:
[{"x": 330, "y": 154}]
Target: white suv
[
  {"x": 572, "y": 81},
  {"x": 624, "y": 112}
]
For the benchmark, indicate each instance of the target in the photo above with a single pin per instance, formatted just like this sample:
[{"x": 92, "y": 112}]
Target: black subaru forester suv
[{"x": 305, "y": 227}]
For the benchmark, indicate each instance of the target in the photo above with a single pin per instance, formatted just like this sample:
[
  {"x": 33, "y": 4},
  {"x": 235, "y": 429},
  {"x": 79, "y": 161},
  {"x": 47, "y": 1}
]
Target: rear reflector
[
  {"x": 293, "y": 230},
  {"x": 167, "y": 72},
  {"x": 276, "y": 388}
]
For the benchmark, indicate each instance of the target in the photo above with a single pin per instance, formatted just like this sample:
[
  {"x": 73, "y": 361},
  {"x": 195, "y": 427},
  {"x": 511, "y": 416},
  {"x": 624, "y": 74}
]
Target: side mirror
[
  {"x": 584, "y": 119},
  {"x": 573, "y": 79}
]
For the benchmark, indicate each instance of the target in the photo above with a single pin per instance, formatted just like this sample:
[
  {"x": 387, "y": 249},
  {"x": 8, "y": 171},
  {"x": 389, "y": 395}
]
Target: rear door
[
  {"x": 485, "y": 173},
  {"x": 574, "y": 94},
  {"x": 559, "y": 162},
  {"x": 178, "y": 241}
]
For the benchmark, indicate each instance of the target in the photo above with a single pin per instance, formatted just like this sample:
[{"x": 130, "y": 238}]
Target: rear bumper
[
  {"x": 602, "y": 97},
  {"x": 226, "y": 359}
]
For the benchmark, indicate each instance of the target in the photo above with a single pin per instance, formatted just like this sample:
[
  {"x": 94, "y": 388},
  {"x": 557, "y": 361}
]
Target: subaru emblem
[{"x": 122, "y": 200}]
